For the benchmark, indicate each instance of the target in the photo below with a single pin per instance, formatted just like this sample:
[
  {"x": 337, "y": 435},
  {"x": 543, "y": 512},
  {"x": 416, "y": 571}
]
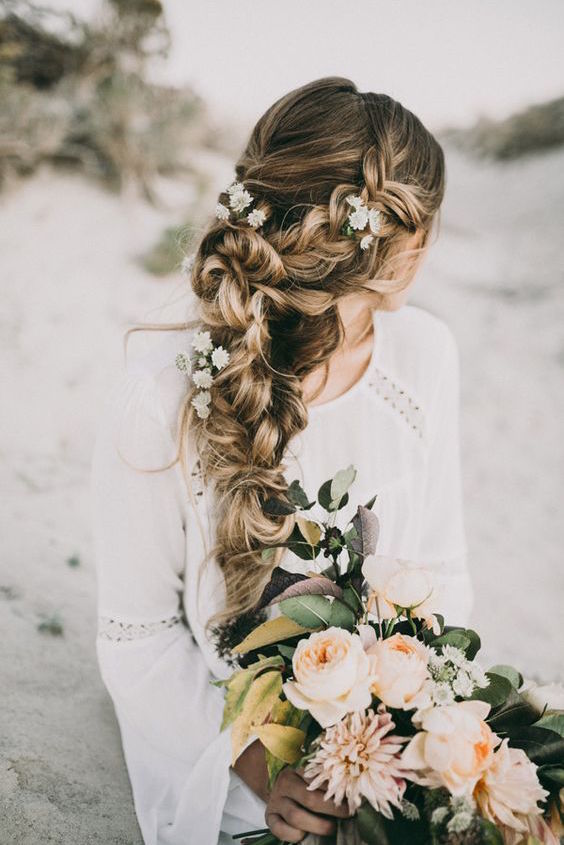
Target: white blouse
[{"x": 398, "y": 425}]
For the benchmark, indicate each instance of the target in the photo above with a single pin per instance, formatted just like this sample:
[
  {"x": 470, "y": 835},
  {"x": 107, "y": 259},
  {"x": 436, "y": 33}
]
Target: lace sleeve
[{"x": 157, "y": 676}]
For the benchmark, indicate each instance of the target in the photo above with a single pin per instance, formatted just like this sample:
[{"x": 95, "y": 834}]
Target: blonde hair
[{"x": 270, "y": 296}]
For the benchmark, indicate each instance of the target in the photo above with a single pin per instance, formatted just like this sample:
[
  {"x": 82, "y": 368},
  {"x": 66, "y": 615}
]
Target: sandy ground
[{"x": 71, "y": 283}]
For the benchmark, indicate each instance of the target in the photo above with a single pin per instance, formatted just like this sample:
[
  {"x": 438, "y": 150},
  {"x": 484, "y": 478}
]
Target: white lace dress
[{"x": 398, "y": 425}]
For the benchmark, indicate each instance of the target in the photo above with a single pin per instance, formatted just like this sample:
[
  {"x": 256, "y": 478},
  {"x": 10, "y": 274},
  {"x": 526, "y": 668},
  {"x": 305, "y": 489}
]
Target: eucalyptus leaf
[
  {"x": 496, "y": 693},
  {"x": 280, "y": 580},
  {"x": 456, "y": 638},
  {"x": 553, "y": 720},
  {"x": 513, "y": 676},
  {"x": 316, "y": 610},
  {"x": 541, "y": 745},
  {"x": 316, "y": 585},
  {"x": 311, "y": 532},
  {"x": 371, "y": 825},
  {"x": 367, "y": 527},
  {"x": 277, "y": 507},
  {"x": 327, "y": 501},
  {"x": 513, "y": 713},
  {"x": 341, "y": 482},
  {"x": 297, "y": 496},
  {"x": 553, "y": 774}
]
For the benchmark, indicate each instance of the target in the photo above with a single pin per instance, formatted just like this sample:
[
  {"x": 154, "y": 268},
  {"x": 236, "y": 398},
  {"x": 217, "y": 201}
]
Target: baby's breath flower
[
  {"x": 460, "y": 822},
  {"x": 463, "y": 684},
  {"x": 202, "y": 342},
  {"x": 220, "y": 357},
  {"x": 183, "y": 362},
  {"x": 202, "y": 362},
  {"x": 221, "y": 211},
  {"x": 442, "y": 694}
]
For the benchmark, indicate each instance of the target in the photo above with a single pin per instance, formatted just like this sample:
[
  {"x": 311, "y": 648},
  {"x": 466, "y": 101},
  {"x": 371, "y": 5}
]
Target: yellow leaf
[
  {"x": 284, "y": 741},
  {"x": 310, "y": 530},
  {"x": 271, "y": 631},
  {"x": 261, "y": 698}
]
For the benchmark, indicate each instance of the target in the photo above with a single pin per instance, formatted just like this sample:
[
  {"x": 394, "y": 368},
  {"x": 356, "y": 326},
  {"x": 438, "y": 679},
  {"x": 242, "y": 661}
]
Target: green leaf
[
  {"x": 552, "y": 774},
  {"x": 278, "y": 507},
  {"x": 286, "y": 651},
  {"x": 553, "y": 720},
  {"x": 513, "y": 713},
  {"x": 496, "y": 693},
  {"x": 542, "y": 746},
  {"x": 311, "y": 611},
  {"x": 371, "y": 501},
  {"x": 310, "y": 530},
  {"x": 457, "y": 638},
  {"x": 371, "y": 825},
  {"x": 300, "y": 546},
  {"x": 341, "y": 482},
  {"x": 491, "y": 835},
  {"x": 271, "y": 631},
  {"x": 512, "y": 675},
  {"x": 327, "y": 501},
  {"x": 297, "y": 496}
]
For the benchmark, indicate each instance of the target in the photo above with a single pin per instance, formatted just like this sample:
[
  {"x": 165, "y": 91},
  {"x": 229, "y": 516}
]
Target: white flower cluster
[
  {"x": 453, "y": 675},
  {"x": 461, "y": 810},
  {"x": 209, "y": 358},
  {"x": 361, "y": 217},
  {"x": 187, "y": 264},
  {"x": 239, "y": 200}
]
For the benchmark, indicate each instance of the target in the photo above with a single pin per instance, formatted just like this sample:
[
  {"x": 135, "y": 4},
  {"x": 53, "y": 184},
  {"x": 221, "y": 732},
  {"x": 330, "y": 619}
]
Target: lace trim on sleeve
[
  {"x": 118, "y": 630},
  {"x": 399, "y": 400}
]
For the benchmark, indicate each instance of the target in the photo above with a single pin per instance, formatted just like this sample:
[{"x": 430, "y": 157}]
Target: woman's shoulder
[{"x": 417, "y": 348}]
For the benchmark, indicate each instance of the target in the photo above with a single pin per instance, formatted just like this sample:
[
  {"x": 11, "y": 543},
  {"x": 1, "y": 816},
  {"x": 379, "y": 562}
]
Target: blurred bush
[
  {"x": 536, "y": 129},
  {"x": 79, "y": 95}
]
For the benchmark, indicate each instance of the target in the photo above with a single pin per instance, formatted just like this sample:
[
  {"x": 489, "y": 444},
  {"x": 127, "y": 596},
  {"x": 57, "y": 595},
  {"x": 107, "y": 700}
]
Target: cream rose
[
  {"x": 454, "y": 746},
  {"x": 541, "y": 696},
  {"x": 509, "y": 788},
  {"x": 400, "y": 666},
  {"x": 399, "y": 583},
  {"x": 332, "y": 676}
]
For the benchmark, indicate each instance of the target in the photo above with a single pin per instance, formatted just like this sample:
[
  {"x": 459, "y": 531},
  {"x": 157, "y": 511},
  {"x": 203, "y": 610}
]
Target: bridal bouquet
[{"x": 356, "y": 679}]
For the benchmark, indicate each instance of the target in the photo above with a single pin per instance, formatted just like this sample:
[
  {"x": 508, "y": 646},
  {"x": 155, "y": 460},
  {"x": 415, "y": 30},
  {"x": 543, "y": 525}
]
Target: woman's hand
[{"x": 291, "y": 809}]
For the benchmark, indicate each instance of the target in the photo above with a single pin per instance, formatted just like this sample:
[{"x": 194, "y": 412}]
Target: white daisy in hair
[
  {"x": 235, "y": 187},
  {"x": 366, "y": 241},
  {"x": 375, "y": 220},
  {"x": 220, "y": 357},
  {"x": 240, "y": 199},
  {"x": 202, "y": 378},
  {"x": 359, "y": 217},
  {"x": 202, "y": 342},
  {"x": 256, "y": 218}
]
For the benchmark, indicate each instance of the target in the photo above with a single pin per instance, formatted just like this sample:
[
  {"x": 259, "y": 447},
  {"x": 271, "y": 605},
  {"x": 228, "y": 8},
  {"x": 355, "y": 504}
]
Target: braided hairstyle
[{"x": 270, "y": 295}]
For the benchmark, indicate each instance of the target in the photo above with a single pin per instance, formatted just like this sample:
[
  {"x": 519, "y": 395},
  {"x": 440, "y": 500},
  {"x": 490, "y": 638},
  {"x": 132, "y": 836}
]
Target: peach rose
[
  {"x": 509, "y": 788},
  {"x": 454, "y": 746},
  {"x": 332, "y": 676},
  {"x": 400, "y": 666}
]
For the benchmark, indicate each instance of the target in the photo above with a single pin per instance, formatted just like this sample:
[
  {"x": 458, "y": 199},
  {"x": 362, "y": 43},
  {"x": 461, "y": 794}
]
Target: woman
[{"x": 301, "y": 279}]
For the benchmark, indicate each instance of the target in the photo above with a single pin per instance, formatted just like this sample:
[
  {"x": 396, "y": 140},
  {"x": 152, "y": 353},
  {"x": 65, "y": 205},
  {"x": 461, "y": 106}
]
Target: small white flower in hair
[
  {"x": 202, "y": 362},
  {"x": 221, "y": 211},
  {"x": 375, "y": 220},
  {"x": 183, "y": 362},
  {"x": 202, "y": 342},
  {"x": 239, "y": 200},
  {"x": 220, "y": 357},
  {"x": 360, "y": 218},
  {"x": 235, "y": 187},
  {"x": 201, "y": 402},
  {"x": 256, "y": 218},
  {"x": 202, "y": 378}
]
